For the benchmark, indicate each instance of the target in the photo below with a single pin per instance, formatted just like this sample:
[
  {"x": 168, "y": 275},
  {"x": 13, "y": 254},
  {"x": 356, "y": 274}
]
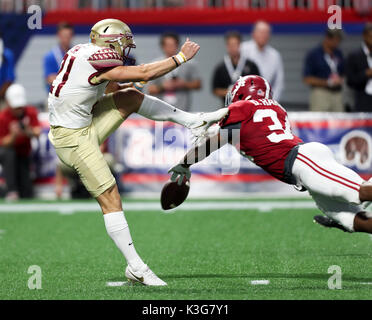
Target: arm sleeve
[{"x": 105, "y": 59}]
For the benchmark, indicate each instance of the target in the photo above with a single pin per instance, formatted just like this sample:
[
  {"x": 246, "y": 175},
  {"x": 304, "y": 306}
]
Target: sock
[
  {"x": 346, "y": 219},
  {"x": 118, "y": 230},
  {"x": 158, "y": 110}
]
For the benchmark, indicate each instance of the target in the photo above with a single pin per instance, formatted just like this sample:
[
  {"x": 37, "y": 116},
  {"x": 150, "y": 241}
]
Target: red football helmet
[{"x": 248, "y": 88}]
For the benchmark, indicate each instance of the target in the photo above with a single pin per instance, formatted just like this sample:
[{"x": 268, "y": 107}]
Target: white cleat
[
  {"x": 205, "y": 120},
  {"x": 144, "y": 276}
]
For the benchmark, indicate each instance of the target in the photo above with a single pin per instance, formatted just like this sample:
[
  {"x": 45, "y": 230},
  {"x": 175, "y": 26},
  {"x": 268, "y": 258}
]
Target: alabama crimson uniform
[
  {"x": 266, "y": 138},
  {"x": 76, "y": 89},
  {"x": 265, "y": 133}
]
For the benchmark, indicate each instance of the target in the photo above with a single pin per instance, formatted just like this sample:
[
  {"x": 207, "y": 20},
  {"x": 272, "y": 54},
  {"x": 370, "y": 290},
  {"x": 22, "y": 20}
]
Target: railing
[{"x": 20, "y": 6}]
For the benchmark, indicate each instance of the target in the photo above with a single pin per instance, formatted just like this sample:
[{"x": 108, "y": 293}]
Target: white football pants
[{"x": 334, "y": 187}]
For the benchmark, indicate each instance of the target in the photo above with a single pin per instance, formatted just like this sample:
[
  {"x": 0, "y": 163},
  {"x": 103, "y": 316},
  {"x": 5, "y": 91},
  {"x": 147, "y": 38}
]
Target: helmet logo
[{"x": 240, "y": 83}]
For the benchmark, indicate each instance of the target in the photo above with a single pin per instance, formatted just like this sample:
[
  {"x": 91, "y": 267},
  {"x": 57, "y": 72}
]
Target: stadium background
[
  {"x": 297, "y": 27},
  {"x": 205, "y": 249}
]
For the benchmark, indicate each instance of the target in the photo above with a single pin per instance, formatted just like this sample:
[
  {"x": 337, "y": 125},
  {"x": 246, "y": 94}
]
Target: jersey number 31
[{"x": 274, "y": 137}]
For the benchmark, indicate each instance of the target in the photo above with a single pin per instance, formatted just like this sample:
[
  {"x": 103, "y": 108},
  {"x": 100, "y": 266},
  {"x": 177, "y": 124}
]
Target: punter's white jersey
[{"x": 76, "y": 89}]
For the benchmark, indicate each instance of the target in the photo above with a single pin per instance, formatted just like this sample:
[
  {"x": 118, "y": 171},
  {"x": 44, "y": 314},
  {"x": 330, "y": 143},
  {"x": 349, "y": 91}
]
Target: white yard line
[
  {"x": 71, "y": 208},
  {"x": 116, "y": 283},
  {"x": 260, "y": 282}
]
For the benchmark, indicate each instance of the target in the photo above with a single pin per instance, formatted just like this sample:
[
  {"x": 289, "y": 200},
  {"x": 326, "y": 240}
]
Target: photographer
[{"x": 18, "y": 124}]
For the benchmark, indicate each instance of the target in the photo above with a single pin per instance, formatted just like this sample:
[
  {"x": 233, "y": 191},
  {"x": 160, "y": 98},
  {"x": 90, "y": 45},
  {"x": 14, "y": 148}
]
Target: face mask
[{"x": 1, "y": 51}]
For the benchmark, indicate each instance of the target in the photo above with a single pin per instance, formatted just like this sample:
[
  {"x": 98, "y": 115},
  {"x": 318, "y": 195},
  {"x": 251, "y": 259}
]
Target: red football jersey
[{"x": 265, "y": 133}]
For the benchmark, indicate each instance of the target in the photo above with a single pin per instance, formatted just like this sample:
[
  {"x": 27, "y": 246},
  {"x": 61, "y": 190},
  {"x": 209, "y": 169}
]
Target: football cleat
[
  {"x": 299, "y": 188},
  {"x": 205, "y": 120},
  {"x": 329, "y": 223},
  {"x": 144, "y": 276}
]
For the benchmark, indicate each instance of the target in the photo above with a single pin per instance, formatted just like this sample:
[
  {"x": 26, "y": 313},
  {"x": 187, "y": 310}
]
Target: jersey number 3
[{"x": 274, "y": 137}]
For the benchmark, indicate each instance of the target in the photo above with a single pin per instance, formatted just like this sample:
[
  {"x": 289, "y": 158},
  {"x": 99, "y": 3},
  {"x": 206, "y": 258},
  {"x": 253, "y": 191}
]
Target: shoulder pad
[
  {"x": 238, "y": 112},
  {"x": 105, "y": 58}
]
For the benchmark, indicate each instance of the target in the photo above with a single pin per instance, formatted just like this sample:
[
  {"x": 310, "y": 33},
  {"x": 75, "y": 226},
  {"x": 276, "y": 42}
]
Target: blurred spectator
[
  {"x": 173, "y": 3},
  {"x": 6, "y": 70},
  {"x": 359, "y": 72},
  {"x": 53, "y": 59},
  {"x": 234, "y": 65},
  {"x": 18, "y": 124},
  {"x": 324, "y": 71},
  {"x": 268, "y": 59},
  {"x": 176, "y": 86}
]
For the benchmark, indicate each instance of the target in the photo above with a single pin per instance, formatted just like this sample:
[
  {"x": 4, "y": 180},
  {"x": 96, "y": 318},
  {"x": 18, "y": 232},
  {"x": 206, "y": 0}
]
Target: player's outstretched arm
[
  {"x": 197, "y": 154},
  {"x": 151, "y": 71}
]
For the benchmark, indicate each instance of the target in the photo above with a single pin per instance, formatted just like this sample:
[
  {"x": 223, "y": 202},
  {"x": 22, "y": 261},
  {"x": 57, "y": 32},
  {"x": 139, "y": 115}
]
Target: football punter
[
  {"x": 265, "y": 137},
  {"x": 87, "y": 103}
]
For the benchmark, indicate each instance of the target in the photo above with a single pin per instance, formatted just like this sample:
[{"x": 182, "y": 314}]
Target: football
[{"x": 172, "y": 194}]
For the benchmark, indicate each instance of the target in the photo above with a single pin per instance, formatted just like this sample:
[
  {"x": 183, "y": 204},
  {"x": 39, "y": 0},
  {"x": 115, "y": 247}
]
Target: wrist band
[
  {"x": 175, "y": 61},
  {"x": 181, "y": 58}
]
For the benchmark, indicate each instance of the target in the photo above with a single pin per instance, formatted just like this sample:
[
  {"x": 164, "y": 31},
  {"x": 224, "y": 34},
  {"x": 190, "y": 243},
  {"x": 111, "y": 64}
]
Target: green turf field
[{"x": 201, "y": 253}]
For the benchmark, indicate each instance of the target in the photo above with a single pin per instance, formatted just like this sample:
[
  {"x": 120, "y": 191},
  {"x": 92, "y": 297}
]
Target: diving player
[{"x": 265, "y": 137}]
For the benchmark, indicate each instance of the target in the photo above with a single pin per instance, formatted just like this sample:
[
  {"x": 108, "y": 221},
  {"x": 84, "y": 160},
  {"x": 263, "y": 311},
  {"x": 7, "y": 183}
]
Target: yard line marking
[
  {"x": 70, "y": 208},
  {"x": 116, "y": 283},
  {"x": 367, "y": 283},
  {"x": 260, "y": 282}
]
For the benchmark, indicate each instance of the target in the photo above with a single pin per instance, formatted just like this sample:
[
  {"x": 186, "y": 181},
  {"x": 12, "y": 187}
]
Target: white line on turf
[
  {"x": 70, "y": 208},
  {"x": 260, "y": 282},
  {"x": 116, "y": 283},
  {"x": 366, "y": 283}
]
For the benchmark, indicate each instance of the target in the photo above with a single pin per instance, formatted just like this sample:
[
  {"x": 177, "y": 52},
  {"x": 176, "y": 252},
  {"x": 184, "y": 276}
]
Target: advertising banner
[{"x": 144, "y": 150}]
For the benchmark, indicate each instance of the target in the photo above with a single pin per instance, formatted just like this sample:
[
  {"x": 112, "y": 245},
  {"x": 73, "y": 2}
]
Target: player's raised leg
[{"x": 130, "y": 101}]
